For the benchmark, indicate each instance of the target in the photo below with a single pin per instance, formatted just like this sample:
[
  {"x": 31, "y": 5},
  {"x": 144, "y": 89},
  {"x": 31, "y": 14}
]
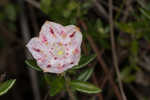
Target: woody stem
[{"x": 70, "y": 93}]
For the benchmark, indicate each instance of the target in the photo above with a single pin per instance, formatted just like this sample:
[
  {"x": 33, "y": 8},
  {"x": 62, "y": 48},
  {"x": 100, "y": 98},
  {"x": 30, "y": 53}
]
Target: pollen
[
  {"x": 46, "y": 43},
  {"x": 60, "y": 44},
  {"x": 60, "y": 52}
]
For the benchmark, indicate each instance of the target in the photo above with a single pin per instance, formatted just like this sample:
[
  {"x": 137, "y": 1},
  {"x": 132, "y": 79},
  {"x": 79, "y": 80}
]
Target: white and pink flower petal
[
  {"x": 47, "y": 34},
  {"x": 37, "y": 49},
  {"x": 74, "y": 35},
  {"x": 58, "y": 47}
]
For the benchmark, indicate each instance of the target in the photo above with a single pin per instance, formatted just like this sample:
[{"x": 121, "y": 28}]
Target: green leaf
[
  {"x": 134, "y": 48},
  {"x": 45, "y": 5},
  {"x": 2, "y": 16},
  {"x": 84, "y": 61},
  {"x": 5, "y": 86},
  {"x": 84, "y": 87},
  {"x": 10, "y": 11},
  {"x": 126, "y": 27},
  {"x": 56, "y": 83},
  {"x": 33, "y": 64},
  {"x": 84, "y": 76},
  {"x": 145, "y": 12},
  {"x": 126, "y": 74}
]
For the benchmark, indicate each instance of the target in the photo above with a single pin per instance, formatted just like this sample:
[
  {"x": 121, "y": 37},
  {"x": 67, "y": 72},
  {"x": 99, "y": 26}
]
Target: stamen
[
  {"x": 60, "y": 52},
  {"x": 60, "y": 44}
]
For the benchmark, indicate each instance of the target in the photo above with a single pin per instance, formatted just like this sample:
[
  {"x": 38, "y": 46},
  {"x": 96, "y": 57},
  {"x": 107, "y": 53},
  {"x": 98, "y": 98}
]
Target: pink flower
[{"x": 57, "y": 48}]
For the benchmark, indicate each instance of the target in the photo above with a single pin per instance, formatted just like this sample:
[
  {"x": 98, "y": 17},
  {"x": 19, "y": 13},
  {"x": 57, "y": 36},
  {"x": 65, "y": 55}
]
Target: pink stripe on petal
[
  {"x": 62, "y": 32},
  {"x": 76, "y": 51},
  {"x": 51, "y": 30},
  {"x": 48, "y": 66},
  {"x": 37, "y": 50},
  {"x": 60, "y": 67},
  {"x": 71, "y": 63},
  {"x": 44, "y": 38},
  {"x": 55, "y": 58},
  {"x": 72, "y": 35}
]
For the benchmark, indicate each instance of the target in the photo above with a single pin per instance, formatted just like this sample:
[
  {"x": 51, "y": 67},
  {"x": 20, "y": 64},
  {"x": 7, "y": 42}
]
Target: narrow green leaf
[
  {"x": 84, "y": 76},
  {"x": 126, "y": 27},
  {"x": 126, "y": 74},
  {"x": 145, "y": 12},
  {"x": 84, "y": 87},
  {"x": 84, "y": 61},
  {"x": 33, "y": 64},
  {"x": 5, "y": 86},
  {"x": 56, "y": 83}
]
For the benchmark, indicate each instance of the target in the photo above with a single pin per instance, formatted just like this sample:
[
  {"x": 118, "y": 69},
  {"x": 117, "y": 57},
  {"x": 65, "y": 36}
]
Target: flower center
[{"x": 59, "y": 50}]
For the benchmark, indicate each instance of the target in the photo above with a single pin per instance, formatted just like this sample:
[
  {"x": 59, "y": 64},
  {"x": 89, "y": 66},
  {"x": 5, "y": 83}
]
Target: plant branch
[
  {"x": 26, "y": 37},
  {"x": 104, "y": 80},
  {"x": 71, "y": 95},
  {"x": 128, "y": 9},
  {"x": 93, "y": 76},
  {"x": 101, "y": 61},
  {"x": 114, "y": 50},
  {"x": 34, "y": 3},
  {"x": 100, "y": 9},
  {"x": 46, "y": 96},
  {"x": 100, "y": 96}
]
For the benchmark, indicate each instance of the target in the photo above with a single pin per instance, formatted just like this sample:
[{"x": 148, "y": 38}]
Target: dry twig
[
  {"x": 100, "y": 9},
  {"x": 114, "y": 49},
  {"x": 93, "y": 76},
  {"x": 26, "y": 37},
  {"x": 101, "y": 61},
  {"x": 34, "y": 3}
]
